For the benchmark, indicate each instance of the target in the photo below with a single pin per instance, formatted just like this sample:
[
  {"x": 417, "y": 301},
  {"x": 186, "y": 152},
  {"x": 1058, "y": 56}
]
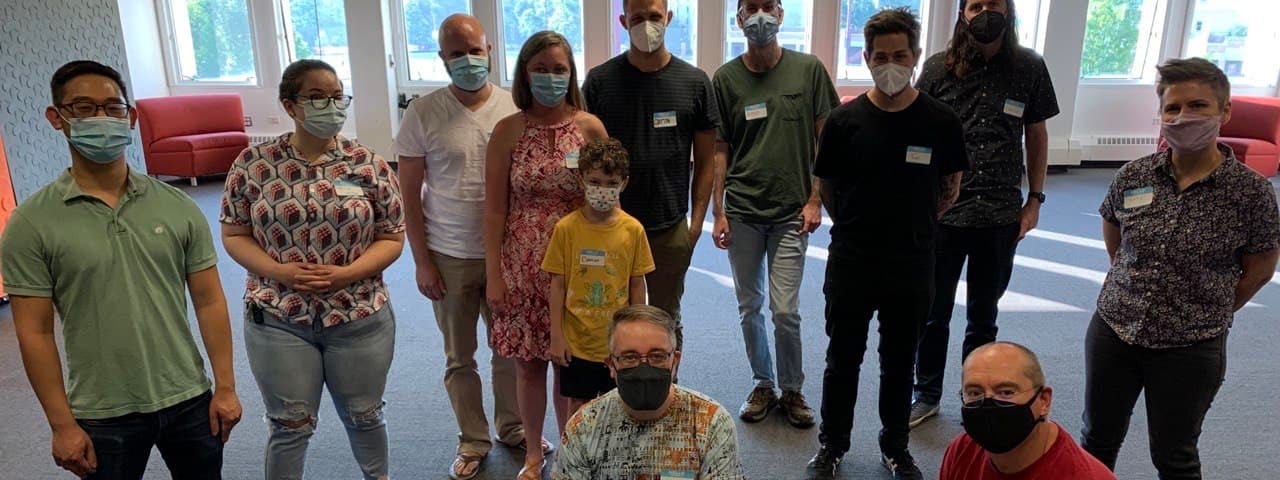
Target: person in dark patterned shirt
[
  {"x": 1193, "y": 235},
  {"x": 1002, "y": 92}
]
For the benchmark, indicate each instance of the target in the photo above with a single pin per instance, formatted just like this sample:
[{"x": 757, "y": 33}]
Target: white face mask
[
  {"x": 892, "y": 78},
  {"x": 648, "y": 36},
  {"x": 603, "y": 199}
]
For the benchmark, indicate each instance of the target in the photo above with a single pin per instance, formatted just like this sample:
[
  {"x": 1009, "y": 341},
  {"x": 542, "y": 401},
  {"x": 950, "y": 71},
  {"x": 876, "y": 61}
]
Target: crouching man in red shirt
[{"x": 1007, "y": 431}]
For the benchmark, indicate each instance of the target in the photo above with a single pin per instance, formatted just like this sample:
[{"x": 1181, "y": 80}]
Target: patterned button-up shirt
[
  {"x": 996, "y": 100},
  {"x": 1174, "y": 276},
  {"x": 325, "y": 213}
]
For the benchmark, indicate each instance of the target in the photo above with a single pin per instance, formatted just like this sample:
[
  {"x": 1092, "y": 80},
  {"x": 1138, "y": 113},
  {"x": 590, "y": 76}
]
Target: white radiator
[{"x": 1117, "y": 148}]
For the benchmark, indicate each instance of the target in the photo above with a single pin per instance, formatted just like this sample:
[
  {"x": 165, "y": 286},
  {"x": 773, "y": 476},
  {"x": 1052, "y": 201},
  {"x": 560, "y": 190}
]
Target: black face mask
[
  {"x": 644, "y": 387},
  {"x": 999, "y": 426},
  {"x": 988, "y": 26}
]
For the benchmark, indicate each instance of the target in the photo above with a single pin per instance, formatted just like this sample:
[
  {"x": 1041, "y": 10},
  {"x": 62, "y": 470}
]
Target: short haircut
[
  {"x": 1180, "y": 70},
  {"x": 74, "y": 69},
  {"x": 776, "y": 2},
  {"x": 643, "y": 313},
  {"x": 291, "y": 81},
  {"x": 665, "y": 5},
  {"x": 890, "y": 21},
  {"x": 606, "y": 155},
  {"x": 536, "y": 43},
  {"x": 1033, "y": 371}
]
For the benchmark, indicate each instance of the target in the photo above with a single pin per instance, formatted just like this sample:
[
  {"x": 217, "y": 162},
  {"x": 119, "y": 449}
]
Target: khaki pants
[
  {"x": 456, "y": 316},
  {"x": 671, "y": 250}
]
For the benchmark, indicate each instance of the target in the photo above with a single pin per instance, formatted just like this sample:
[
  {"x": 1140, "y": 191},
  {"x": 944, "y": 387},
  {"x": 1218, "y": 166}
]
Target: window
[
  {"x": 797, "y": 21},
  {"x": 211, "y": 41},
  {"x": 419, "y": 25},
  {"x": 1033, "y": 15},
  {"x": 1121, "y": 39},
  {"x": 853, "y": 16},
  {"x": 1240, "y": 36},
  {"x": 523, "y": 18},
  {"x": 682, "y": 35},
  {"x": 317, "y": 29}
]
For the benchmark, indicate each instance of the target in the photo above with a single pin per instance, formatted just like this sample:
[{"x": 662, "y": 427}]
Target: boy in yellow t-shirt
[{"x": 597, "y": 259}]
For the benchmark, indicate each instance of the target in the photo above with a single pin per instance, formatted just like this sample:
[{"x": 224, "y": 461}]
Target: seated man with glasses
[
  {"x": 1007, "y": 432},
  {"x": 648, "y": 427}
]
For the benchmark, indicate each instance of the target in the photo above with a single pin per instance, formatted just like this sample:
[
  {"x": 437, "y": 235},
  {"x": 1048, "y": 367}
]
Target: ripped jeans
[{"x": 292, "y": 362}]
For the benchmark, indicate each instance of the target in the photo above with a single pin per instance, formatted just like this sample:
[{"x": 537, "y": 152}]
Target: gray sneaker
[
  {"x": 797, "y": 410},
  {"x": 921, "y": 411},
  {"x": 758, "y": 404}
]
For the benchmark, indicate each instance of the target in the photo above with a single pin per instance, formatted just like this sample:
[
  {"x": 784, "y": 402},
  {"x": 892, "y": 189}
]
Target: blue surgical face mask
[
  {"x": 761, "y": 29},
  {"x": 323, "y": 122},
  {"x": 549, "y": 89},
  {"x": 100, "y": 139},
  {"x": 469, "y": 72}
]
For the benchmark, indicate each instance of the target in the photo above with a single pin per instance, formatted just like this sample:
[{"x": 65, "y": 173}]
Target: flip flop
[
  {"x": 465, "y": 459},
  {"x": 547, "y": 447},
  {"x": 531, "y": 472}
]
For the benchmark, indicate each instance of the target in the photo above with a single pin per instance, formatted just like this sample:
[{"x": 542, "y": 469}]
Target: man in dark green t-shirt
[
  {"x": 772, "y": 104},
  {"x": 111, "y": 250}
]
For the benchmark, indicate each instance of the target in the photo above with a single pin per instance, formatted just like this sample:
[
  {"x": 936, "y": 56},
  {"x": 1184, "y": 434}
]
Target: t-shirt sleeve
[
  {"x": 554, "y": 260},
  {"x": 572, "y": 459},
  {"x": 199, "y": 249},
  {"x": 643, "y": 258},
  {"x": 833, "y": 149},
  {"x": 721, "y": 458},
  {"x": 235, "y": 199},
  {"x": 1262, "y": 218},
  {"x": 708, "y": 118},
  {"x": 1044, "y": 101},
  {"x": 1112, "y": 202},
  {"x": 23, "y": 260},
  {"x": 589, "y": 90},
  {"x": 388, "y": 207},
  {"x": 723, "y": 101},
  {"x": 955, "y": 156},
  {"x": 411, "y": 139},
  {"x": 824, "y": 96}
]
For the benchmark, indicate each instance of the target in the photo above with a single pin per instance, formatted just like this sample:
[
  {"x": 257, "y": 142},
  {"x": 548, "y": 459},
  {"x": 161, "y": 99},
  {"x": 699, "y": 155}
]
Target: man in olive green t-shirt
[
  {"x": 112, "y": 250},
  {"x": 772, "y": 104}
]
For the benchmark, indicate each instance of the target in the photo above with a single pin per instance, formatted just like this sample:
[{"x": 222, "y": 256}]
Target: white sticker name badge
[
  {"x": 347, "y": 189},
  {"x": 1014, "y": 108},
  {"x": 677, "y": 475},
  {"x": 571, "y": 160},
  {"x": 1138, "y": 197},
  {"x": 757, "y": 111},
  {"x": 591, "y": 258},
  {"x": 919, "y": 155},
  {"x": 664, "y": 119}
]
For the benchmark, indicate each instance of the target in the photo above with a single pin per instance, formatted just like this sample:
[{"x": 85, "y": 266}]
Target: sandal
[
  {"x": 547, "y": 447},
  {"x": 531, "y": 472},
  {"x": 460, "y": 464}
]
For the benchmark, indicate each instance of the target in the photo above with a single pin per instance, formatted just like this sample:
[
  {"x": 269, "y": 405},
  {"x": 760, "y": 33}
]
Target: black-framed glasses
[
  {"x": 657, "y": 358},
  {"x": 90, "y": 109},
  {"x": 320, "y": 101},
  {"x": 1004, "y": 397}
]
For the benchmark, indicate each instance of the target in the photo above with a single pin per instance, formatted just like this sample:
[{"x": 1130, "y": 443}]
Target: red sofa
[
  {"x": 193, "y": 135},
  {"x": 1253, "y": 133}
]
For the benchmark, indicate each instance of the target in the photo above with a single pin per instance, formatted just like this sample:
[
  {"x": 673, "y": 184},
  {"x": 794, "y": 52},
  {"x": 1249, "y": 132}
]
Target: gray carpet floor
[{"x": 1051, "y": 298}]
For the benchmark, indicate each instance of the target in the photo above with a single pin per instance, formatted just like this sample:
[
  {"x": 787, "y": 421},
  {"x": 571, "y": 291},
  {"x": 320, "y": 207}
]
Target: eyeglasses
[
  {"x": 90, "y": 109},
  {"x": 973, "y": 397},
  {"x": 657, "y": 358},
  {"x": 319, "y": 101}
]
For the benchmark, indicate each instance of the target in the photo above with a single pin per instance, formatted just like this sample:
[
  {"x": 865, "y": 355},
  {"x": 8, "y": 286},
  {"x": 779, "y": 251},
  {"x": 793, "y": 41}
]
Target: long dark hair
[{"x": 963, "y": 49}]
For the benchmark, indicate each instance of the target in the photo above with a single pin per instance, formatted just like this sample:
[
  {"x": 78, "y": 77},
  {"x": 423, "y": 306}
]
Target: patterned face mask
[{"x": 603, "y": 199}]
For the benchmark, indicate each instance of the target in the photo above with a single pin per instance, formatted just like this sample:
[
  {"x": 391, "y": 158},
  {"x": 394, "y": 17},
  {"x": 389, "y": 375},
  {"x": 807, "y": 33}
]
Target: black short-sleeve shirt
[
  {"x": 996, "y": 100},
  {"x": 655, "y": 115},
  {"x": 884, "y": 171}
]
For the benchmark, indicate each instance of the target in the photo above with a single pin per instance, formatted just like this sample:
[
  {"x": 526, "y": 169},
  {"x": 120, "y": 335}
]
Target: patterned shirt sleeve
[
  {"x": 1263, "y": 222},
  {"x": 1044, "y": 101},
  {"x": 235, "y": 202},
  {"x": 388, "y": 210},
  {"x": 1109, "y": 203},
  {"x": 721, "y": 460},
  {"x": 571, "y": 460}
]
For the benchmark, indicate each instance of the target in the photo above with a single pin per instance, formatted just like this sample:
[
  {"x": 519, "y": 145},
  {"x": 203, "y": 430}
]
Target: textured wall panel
[{"x": 37, "y": 37}]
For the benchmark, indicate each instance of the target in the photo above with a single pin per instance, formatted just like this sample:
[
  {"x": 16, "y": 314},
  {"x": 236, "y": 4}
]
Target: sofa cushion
[
  {"x": 203, "y": 141},
  {"x": 1249, "y": 146}
]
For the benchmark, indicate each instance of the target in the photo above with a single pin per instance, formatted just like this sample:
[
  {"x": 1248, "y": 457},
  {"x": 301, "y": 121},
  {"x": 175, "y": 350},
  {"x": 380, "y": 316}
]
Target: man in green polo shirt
[{"x": 110, "y": 250}]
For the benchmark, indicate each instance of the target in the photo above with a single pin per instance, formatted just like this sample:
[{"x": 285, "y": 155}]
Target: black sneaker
[
  {"x": 823, "y": 466},
  {"x": 902, "y": 466},
  {"x": 758, "y": 404},
  {"x": 798, "y": 412}
]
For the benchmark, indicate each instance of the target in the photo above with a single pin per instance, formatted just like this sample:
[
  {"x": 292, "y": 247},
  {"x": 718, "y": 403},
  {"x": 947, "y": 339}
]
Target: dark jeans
[
  {"x": 990, "y": 254},
  {"x": 1179, "y": 384},
  {"x": 181, "y": 433},
  {"x": 900, "y": 291}
]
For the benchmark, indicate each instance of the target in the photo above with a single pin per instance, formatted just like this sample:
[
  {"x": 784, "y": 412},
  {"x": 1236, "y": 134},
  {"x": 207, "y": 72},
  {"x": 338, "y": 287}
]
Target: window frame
[
  {"x": 809, "y": 20},
  {"x": 172, "y": 64},
  {"x": 616, "y": 30},
  {"x": 579, "y": 55},
  {"x": 1155, "y": 37},
  {"x": 924, "y": 16},
  {"x": 285, "y": 37},
  {"x": 400, "y": 47},
  {"x": 1271, "y": 89}
]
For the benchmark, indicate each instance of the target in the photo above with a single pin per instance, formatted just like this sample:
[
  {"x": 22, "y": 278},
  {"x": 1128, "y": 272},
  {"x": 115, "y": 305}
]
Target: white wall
[{"x": 142, "y": 45}]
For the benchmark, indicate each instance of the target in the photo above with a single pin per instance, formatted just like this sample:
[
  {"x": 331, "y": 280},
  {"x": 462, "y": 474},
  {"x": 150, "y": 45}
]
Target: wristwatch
[{"x": 1036, "y": 195}]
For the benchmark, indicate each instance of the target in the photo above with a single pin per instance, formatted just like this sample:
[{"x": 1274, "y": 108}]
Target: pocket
[{"x": 791, "y": 106}]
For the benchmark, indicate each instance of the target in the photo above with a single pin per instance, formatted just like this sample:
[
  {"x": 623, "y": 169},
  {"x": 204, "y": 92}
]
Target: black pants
[
  {"x": 990, "y": 253},
  {"x": 1180, "y": 384},
  {"x": 901, "y": 291},
  {"x": 181, "y": 433}
]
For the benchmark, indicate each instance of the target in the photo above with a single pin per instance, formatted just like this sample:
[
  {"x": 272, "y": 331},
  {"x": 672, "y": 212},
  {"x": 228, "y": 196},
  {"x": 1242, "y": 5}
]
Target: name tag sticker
[
  {"x": 757, "y": 111},
  {"x": 1138, "y": 197},
  {"x": 347, "y": 189},
  {"x": 919, "y": 155},
  {"x": 1014, "y": 107},
  {"x": 591, "y": 258},
  {"x": 571, "y": 160},
  {"x": 664, "y": 119},
  {"x": 677, "y": 475}
]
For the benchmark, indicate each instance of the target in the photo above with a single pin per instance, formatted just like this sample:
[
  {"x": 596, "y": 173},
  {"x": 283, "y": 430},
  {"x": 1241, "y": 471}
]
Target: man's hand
[
  {"x": 429, "y": 281},
  {"x": 73, "y": 450},
  {"x": 720, "y": 234},
  {"x": 224, "y": 413},
  {"x": 811, "y": 217},
  {"x": 1029, "y": 218}
]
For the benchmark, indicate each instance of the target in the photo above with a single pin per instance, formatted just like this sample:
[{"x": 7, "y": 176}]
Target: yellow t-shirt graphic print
[{"x": 598, "y": 262}]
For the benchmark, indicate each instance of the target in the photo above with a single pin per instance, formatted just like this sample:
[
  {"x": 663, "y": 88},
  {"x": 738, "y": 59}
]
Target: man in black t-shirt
[
  {"x": 662, "y": 109},
  {"x": 890, "y": 162}
]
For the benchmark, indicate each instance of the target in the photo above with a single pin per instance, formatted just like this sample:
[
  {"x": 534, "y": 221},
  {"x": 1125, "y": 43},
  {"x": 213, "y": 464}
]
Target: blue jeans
[
  {"x": 783, "y": 248},
  {"x": 181, "y": 433},
  {"x": 292, "y": 362}
]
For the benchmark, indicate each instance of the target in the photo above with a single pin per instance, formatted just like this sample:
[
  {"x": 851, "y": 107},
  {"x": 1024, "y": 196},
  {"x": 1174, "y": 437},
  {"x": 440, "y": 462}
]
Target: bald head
[
  {"x": 460, "y": 35},
  {"x": 1004, "y": 361}
]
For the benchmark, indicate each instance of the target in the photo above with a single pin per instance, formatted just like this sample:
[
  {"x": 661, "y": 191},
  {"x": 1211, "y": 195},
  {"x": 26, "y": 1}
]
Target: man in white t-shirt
[{"x": 441, "y": 145}]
